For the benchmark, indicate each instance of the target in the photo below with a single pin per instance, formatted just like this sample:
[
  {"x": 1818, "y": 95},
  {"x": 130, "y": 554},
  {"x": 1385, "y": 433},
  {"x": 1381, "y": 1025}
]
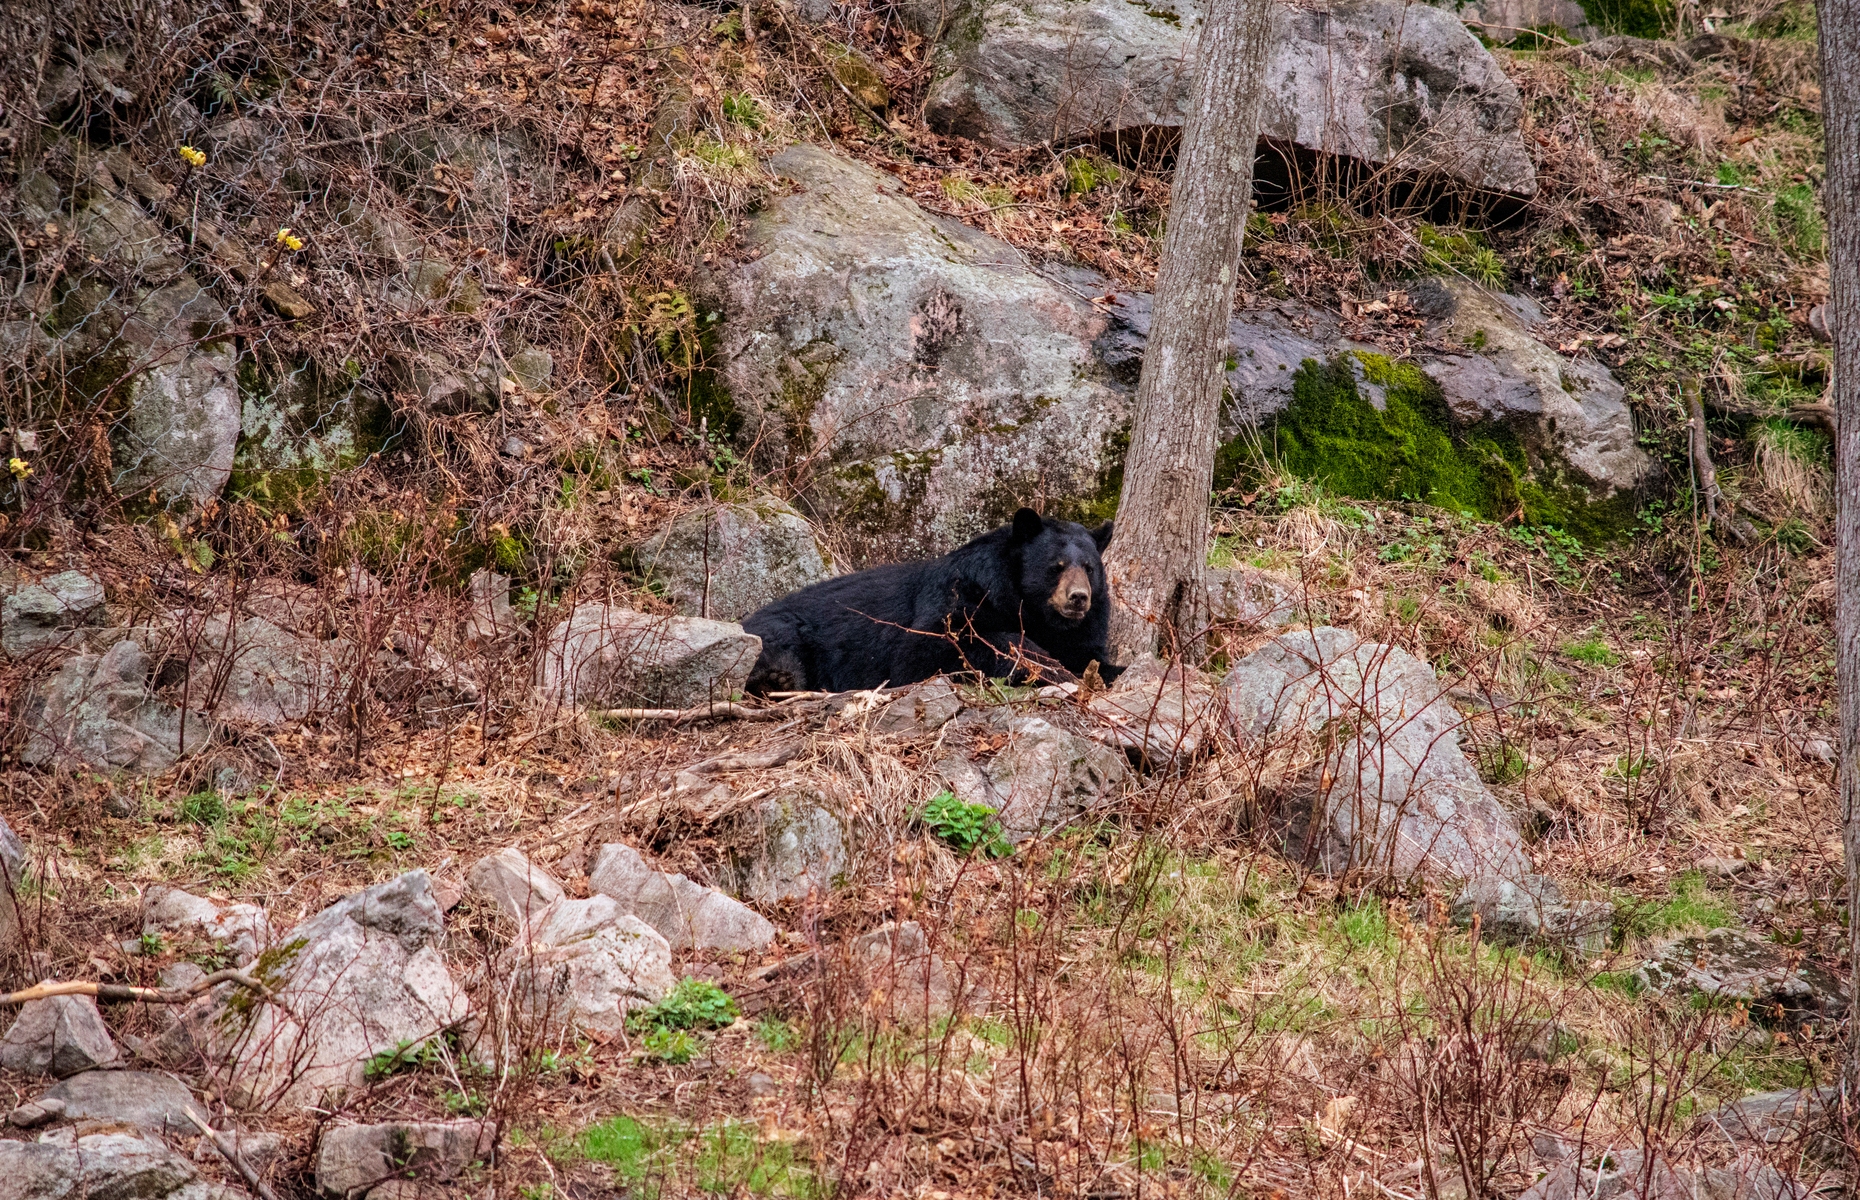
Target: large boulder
[
  {"x": 150, "y": 1100},
  {"x": 1569, "y": 414},
  {"x": 791, "y": 845},
  {"x": 605, "y": 655},
  {"x": 298, "y": 423},
  {"x": 363, "y": 976},
  {"x": 1388, "y": 791},
  {"x": 517, "y": 886},
  {"x": 921, "y": 374},
  {"x": 102, "y": 1163},
  {"x": 1373, "y": 81},
  {"x": 97, "y": 711},
  {"x": 725, "y": 561},
  {"x": 39, "y": 614}
]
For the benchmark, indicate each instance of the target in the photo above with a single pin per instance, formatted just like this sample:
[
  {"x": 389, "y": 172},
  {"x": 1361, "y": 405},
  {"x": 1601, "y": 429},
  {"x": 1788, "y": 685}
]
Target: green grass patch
[
  {"x": 671, "y": 1159},
  {"x": 1593, "y": 651},
  {"x": 1691, "y": 905}
]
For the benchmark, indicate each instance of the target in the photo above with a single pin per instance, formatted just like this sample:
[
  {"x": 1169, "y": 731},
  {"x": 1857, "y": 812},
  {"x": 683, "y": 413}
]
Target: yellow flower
[
  {"x": 288, "y": 239},
  {"x": 18, "y": 467},
  {"x": 191, "y": 156}
]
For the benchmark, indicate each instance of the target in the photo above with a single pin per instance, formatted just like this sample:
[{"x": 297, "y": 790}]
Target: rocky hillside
[{"x": 405, "y": 405}]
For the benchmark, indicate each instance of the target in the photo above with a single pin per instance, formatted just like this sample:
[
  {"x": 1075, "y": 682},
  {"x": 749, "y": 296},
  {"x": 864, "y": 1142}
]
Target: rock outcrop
[
  {"x": 97, "y": 711},
  {"x": 689, "y": 915}
]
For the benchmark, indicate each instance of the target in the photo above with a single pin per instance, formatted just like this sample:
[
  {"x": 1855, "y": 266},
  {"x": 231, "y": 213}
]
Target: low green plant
[
  {"x": 673, "y": 1046},
  {"x": 728, "y": 1158},
  {"x": 777, "y": 1035},
  {"x": 202, "y": 808},
  {"x": 1593, "y": 651},
  {"x": 1502, "y": 763},
  {"x": 1691, "y": 905},
  {"x": 693, "y": 1004},
  {"x": 743, "y": 109},
  {"x": 965, "y": 827},
  {"x": 405, "y": 1056}
]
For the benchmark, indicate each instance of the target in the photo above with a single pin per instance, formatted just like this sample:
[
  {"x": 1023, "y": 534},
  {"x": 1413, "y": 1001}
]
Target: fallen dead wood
[
  {"x": 725, "y": 711},
  {"x": 230, "y": 1153},
  {"x": 126, "y": 992}
]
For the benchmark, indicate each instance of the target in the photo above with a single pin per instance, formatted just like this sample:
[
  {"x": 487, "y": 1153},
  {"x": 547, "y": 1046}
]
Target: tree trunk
[
  {"x": 1157, "y": 559},
  {"x": 1840, "y": 107}
]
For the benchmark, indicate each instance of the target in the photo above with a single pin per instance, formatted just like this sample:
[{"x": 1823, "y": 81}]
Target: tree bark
[
  {"x": 1157, "y": 559},
  {"x": 1840, "y": 107}
]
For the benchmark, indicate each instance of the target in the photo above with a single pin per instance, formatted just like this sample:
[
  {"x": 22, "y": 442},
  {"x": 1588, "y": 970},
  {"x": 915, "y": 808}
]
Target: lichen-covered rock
[
  {"x": 924, "y": 708},
  {"x": 1367, "y": 80},
  {"x": 1533, "y": 909},
  {"x": 1250, "y": 597},
  {"x": 97, "y": 711},
  {"x": 688, "y": 914},
  {"x": 1166, "y": 717},
  {"x": 39, "y": 614},
  {"x": 1504, "y": 20},
  {"x": 179, "y": 917},
  {"x": 363, "y": 976},
  {"x": 151, "y": 1100},
  {"x": 1390, "y": 793},
  {"x": 725, "y": 561},
  {"x": 903, "y": 979},
  {"x": 1779, "y": 987},
  {"x": 605, "y": 655},
  {"x": 793, "y": 844},
  {"x": 102, "y": 1164},
  {"x": 928, "y": 378},
  {"x": 297, "y": 423}
]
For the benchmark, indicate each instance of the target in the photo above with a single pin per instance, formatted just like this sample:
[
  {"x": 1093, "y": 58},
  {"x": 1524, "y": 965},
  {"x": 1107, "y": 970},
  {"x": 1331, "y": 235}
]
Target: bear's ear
[
  {"x": 1027, "y": 526},
  {"x": 1102, "y": 536}
]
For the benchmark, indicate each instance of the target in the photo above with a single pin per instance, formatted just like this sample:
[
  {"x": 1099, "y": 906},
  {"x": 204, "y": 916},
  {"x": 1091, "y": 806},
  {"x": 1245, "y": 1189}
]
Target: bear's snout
[{"x": 1072, "y": 596}]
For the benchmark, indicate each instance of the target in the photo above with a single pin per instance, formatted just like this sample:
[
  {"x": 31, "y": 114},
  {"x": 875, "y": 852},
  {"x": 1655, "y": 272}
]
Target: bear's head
[{"x": 1060, "y": 565}]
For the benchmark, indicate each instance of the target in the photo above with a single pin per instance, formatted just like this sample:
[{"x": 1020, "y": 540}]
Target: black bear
[{"x": 1027, "y": 601}]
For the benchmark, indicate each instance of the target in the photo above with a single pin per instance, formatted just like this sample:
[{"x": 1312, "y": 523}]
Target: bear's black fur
[{"x": 987, "y": 606}]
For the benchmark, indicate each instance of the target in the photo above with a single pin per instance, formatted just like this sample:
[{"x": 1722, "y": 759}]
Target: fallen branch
[
  {"x": 126, "y": 992},
  {"x": 714, "y": 712},
  {"x": 1740, "y": 530},
  {"x": 231, "y": 1154}
]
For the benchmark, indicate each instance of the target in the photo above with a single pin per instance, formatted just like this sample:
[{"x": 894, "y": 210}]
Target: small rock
[
  {"x": 120, "y": 804},
  {"x": 761, "y": 1085},
  {"x": 39, "y": 1112},
  {"x": 490, "y": 619},
  {"x": 1250, "y": 597},
  {"x": 259, "y": 1149},
  {"x": 1819, "y": 749},
  {"x": 98, "y": 711},
  {"x": 51, "y": 612},
  {"x": 13, "y": 863},
  {"x": 1723, "y": 868},
  {"x": 689, "y": 915},
  {"x": 906, "y": 980},
  {"x": 515, "y": 447},
  {"x": 61, "y": 1036},
  {"x": 1532, "y": 908},
  {"x": 1167, "y": 720},
  {"x": 1773, "y": 1118},
  {"x": 519, "y": 887},
  {"x": 1043, "y": 779},
  {"x": 601, "y": 654},
  {"x": 925, "y": 708},
  {"x": 175, "y": 915},
  {"x": 182, "y": 975},
  {"x": 105, "y": 1164},
  {"x": 351, "y": 1159},
  {"x": 148, "y": 1099}
]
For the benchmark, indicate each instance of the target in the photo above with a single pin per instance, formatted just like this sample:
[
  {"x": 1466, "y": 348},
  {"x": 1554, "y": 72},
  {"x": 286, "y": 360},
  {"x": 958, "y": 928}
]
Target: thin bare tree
[
  {"x": 1840, "y": 107},
  {"x": 1157, "y": 558}
]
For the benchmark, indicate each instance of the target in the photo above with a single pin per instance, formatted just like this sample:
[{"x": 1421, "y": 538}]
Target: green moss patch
[{"x": 1333, "y": 434}]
